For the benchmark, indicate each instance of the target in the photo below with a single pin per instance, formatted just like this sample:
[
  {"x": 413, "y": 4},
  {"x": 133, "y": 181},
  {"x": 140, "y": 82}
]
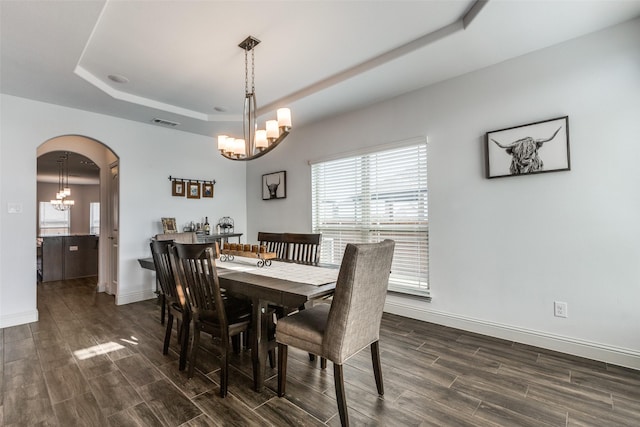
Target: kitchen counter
[{"x": 68, "y": 256}]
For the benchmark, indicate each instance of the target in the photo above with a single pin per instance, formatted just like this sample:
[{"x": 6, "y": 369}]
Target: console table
[{"x": 220, "y": 238}]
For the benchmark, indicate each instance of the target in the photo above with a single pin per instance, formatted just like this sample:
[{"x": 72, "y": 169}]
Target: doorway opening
[{"x": 80, "y": 239}]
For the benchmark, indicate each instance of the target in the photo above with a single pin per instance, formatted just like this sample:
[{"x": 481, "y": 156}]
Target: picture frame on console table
[{"x": 169, "y": 225}]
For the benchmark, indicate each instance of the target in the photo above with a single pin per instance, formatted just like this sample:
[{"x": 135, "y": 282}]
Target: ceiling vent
[{"x": 163, "y": 122}]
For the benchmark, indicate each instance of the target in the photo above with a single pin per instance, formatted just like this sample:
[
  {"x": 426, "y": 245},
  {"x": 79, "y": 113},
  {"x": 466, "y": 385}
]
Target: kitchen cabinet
[{"x": 69, "y": 257}]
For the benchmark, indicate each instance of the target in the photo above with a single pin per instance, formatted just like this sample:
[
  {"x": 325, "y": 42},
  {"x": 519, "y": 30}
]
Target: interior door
[{"x": 114, "y": 188}]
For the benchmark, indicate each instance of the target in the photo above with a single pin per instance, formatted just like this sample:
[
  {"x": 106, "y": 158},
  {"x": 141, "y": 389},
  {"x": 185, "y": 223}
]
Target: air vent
[{"x": 163, "y": 122}]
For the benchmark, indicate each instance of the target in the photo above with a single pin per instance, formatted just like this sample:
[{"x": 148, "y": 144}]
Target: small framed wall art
[
  {"x": 177, "y": 188},
  {"x": 274, "y": 185},
  {"x": 528, "y": 149},
  {"x": 207, "y": 189},
  {"x": 193, "y": 190}
]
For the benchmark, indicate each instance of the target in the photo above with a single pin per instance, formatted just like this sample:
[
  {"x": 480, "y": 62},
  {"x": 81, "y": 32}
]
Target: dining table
[{"x": 282, "y": 284}]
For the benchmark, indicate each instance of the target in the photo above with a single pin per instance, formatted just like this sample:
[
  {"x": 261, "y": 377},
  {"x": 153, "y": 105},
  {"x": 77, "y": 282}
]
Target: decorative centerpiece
[
  {"x": 226, "y": 225},
  {"x": 231, "y": 250}
]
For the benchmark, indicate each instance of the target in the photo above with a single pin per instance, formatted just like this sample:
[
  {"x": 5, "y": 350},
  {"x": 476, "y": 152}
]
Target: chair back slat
[
  {"x": 358, "y": 301},
  {"x": 196, "y": 271}
]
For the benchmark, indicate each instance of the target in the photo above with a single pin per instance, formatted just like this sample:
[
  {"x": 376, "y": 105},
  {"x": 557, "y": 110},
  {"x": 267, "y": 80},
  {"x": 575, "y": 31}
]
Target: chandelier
[
  {"x": 62, "y": 202},
  {"x": 256, "y": 142}
]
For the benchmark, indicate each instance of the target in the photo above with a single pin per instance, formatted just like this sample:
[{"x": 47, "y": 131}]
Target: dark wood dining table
[{"x": 264, "y": 291}]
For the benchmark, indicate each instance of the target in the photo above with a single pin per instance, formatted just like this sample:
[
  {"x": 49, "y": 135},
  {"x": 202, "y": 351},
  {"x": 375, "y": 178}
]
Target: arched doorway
[{"x": 107, "y": 162}]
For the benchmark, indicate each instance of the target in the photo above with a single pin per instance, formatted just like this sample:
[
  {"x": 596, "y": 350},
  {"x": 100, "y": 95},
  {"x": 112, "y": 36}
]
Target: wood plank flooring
[{"x": 88, "y": 362}]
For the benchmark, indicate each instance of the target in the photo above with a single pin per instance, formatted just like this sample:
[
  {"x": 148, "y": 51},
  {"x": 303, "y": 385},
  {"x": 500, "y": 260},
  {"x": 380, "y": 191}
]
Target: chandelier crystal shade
[
  {"x": 62, "y": 202},
  {"x": 256, "y": 142}
]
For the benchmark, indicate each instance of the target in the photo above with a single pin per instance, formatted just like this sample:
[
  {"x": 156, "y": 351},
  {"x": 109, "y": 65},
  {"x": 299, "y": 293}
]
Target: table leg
[{"x": 260, "y": 343}]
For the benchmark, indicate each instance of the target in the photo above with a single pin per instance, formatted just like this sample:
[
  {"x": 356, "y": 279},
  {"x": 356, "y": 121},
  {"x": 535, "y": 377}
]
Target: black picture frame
[
  {"x": 274, "y": 185},
  {"x": 529, "y": 149}
]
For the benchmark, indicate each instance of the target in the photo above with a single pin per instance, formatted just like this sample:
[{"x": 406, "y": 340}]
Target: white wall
[
  {"x": 503, "y": 250},
  {"x": 148, "y": 155}
]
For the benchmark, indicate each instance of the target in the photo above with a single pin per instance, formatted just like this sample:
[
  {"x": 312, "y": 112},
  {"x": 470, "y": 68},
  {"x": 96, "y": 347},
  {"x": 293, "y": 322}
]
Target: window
[
  {"x": 375, "y": 196},
  {"x": 94, "y": 218},
  {"x": 53, "y": 221}
]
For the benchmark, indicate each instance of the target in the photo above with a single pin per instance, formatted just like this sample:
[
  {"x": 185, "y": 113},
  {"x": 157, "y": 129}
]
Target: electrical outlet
[{"x": 560, "y": 309}]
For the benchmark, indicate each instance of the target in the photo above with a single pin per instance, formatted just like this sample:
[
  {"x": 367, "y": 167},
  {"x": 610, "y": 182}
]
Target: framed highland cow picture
[
  {"x": 528, "y": 149},
  {"x": 274, "y": 185}
]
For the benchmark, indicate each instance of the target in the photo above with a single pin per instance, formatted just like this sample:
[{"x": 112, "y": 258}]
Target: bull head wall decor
[
  {"x": 274, "y": 185},
  {"x": 522, "y": 156}
]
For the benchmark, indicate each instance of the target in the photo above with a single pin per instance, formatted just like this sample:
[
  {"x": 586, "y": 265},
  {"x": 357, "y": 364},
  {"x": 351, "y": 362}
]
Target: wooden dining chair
[
  {"x": 349, "y": 324},
  {"x": 186, "y": 237},
  {"x": 274, "y": 242},
  {"x": 303, "y": 248},
  {"x": 174, "y": 298},
  {"x": 212, "y": 311},
  {"x": 296, "y": 247}
]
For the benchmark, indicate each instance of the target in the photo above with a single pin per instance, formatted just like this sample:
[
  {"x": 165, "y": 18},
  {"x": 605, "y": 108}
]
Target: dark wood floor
[{"x": 87, "y": 362}]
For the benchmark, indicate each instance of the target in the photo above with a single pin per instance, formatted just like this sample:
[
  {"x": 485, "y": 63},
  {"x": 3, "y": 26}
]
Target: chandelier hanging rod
[{"x": 62, "y": 202}]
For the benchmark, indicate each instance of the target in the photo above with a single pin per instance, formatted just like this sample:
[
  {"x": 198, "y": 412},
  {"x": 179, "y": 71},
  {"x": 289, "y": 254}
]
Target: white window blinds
[{"x": 375, "y": 196}]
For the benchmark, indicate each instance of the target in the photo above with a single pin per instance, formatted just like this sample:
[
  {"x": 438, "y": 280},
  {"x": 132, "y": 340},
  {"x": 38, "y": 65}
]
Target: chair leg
[
  {"x": 224, "y": 371},
  {"x": 184, "y": 344},
  {"x": 340, "y": 395},
  {"x": 377, "y": 368},
  {"x": 272, "y": 358},
  {"x": 195, "y": 343},
  {"x": 235, "y": 343},
  {"x": 167, "y": 335},
  {"x": 163, "y": 308},
  {"x": 282, "y": 369}
]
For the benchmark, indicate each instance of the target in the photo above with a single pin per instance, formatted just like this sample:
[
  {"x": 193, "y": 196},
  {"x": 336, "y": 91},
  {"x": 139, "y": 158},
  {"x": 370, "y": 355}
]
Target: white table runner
[{"x": 283, "y": 270}]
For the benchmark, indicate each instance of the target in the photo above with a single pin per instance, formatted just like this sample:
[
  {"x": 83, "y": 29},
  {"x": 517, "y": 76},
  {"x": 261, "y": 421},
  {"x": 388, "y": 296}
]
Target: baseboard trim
[
  {"x": 592, "y": 350},
  {"x": 18, "y": 318},
  {"x": 128, "y": 298}
]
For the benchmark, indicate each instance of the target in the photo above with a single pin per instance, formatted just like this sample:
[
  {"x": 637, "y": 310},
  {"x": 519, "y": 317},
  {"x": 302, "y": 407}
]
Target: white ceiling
[{"x": 320, "y": 58}]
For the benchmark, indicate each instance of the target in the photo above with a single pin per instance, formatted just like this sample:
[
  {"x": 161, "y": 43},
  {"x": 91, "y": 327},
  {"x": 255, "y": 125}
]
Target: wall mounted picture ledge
[
  {"x": 528, "y": 149},
  {"x": 274, "y": 185}
]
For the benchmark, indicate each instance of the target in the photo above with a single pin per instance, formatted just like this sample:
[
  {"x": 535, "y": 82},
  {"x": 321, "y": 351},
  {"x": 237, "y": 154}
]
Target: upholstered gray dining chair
[{"x": 349, "y": 324}]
